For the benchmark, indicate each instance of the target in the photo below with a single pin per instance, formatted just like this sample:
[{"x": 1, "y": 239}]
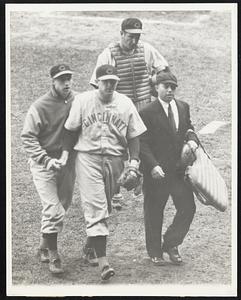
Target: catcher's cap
[
  {"x": 166, "y": 77},
  {"x": 59, "y": 70},
  {"x": 132, "y": 25},
  {"x": 106, "y": 72}
]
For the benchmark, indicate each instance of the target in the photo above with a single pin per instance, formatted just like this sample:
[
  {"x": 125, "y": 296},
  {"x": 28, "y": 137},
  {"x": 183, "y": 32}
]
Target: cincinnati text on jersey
[{"x": 105, "y": 117}]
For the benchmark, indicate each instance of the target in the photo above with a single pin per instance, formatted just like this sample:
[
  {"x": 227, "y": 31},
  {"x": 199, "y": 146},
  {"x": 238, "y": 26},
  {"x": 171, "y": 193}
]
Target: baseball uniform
[
  {"x": 41, "y": 137},
  {"x": 104, "y": 130}
]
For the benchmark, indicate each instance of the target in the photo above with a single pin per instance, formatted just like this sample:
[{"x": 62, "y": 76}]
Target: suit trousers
[{"x": 156, "y": 194}]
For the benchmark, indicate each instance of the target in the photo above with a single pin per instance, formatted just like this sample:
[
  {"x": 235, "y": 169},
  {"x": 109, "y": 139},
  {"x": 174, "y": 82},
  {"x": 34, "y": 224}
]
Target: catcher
[
  {"x": 135, "y": 61},
  {"x": 107, "y": 124}
]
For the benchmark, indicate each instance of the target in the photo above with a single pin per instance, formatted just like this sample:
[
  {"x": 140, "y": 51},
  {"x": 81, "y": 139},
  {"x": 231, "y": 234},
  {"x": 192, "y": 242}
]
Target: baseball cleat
[
  {"x": 43, "y": 255},
  {"x": 107, "y": 273},
  {"x": 55, "y": 266}
]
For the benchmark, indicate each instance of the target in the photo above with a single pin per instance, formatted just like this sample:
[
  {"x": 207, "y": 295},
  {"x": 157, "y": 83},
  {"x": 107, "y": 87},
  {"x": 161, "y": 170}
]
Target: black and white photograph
[{"x": 121, "y": 149}]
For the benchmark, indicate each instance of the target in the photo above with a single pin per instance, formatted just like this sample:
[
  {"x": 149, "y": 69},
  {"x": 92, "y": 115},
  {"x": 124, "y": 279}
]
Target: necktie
[{"x": 171, "y": 118}]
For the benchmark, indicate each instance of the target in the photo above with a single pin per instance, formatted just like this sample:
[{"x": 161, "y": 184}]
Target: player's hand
[
  {"x": 64, "y": 158},
  {"x": 53, "y": 164},
  {"x": 157, "y": 173}
]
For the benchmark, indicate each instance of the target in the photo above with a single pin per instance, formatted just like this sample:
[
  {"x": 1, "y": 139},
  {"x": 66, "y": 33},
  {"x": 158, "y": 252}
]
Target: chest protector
[{"x": 133, "y": 73}]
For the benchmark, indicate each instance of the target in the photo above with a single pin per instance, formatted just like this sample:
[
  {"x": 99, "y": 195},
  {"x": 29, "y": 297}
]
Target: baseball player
[
  {"x": 135, "y": 61},
  {"x": 52, "y": 176},
  {"x": 108, "y": 125}
]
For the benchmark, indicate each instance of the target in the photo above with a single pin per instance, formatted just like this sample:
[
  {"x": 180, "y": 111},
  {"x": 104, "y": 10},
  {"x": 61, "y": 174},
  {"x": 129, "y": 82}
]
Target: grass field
[{"x": 197, "y": 46}]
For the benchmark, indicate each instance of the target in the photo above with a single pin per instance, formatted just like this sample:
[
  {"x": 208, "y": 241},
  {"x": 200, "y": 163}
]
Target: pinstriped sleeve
[{"x": 29, "y": 137}]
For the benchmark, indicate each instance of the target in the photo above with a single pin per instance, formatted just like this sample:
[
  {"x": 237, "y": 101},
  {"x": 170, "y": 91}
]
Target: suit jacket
[{"x": 159, "y": 145}]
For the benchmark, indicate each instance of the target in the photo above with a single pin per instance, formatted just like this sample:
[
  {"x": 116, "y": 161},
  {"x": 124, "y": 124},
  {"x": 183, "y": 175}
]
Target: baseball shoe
[
  {"x": 107, "y": 272},
  {"x": 158, "y": 261},
  {"x": 174, "y": 255},
  {"x": 55, "y": 266},
  {"x": 43, "y": 255},
  {"x": 89, "y": 257},
  {"x": 116, "y": 201}
]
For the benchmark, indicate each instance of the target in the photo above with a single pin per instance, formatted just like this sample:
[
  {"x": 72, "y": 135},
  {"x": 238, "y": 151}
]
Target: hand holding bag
[{"x": 206, "y": 182}]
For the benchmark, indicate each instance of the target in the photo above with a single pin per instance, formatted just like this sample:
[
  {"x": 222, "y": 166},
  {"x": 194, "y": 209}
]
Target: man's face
[
  {"x": 166, "y": 91},
  {"x": 129, "y": 40},
  {"x": 106, "y": 89},
  {"x": 62, "y": 85}
]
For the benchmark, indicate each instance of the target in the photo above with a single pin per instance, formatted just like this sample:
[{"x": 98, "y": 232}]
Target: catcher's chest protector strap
[{"x": 133, "y": 73}]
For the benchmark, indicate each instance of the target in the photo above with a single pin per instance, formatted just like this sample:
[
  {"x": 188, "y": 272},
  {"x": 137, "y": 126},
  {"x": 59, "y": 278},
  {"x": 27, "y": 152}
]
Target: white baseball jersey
[{"x": 104, "y": 128}]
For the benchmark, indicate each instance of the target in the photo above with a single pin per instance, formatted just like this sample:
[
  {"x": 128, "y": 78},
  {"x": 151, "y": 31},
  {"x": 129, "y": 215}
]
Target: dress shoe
[
  {"x": 158, "y": 261},
  {"x": 173, "y": 255}
]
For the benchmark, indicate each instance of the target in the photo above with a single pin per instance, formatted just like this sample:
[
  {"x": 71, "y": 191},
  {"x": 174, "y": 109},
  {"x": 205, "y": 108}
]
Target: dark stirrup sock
[
  {"x": 89, "y": 242},
  {"x": 99, "y": 244},
  {"x": 51, "y": 239}
]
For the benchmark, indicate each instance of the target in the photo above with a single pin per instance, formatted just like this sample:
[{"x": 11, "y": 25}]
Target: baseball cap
[
  {"x": 59, "y": 70},
  {"x": 131, "y": 25},
  {"x": 166, "y": 77},
  {"x": 105, "y": 72}
]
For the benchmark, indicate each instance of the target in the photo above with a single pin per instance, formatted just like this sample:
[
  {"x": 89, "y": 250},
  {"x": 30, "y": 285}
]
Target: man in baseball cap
[
  {"x": 106, "y": 72},
  {"x": 107, "y": 82},
  {"x": 132, "y": 25},
  {"x": 136, "y": 61},
  {"x": 53, "y": 176},
  {"x": 110, "y": 127},
  {"x": 60, "y": 70},
  {"x": 61, "y": 75}
]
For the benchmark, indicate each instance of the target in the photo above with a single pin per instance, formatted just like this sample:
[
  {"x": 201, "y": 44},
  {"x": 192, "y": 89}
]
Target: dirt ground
[{"x": 197, "y": 47}]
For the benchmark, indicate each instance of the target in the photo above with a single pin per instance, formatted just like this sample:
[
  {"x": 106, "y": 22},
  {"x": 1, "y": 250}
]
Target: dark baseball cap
[
  {"x": 59, "y": 70},
  {"x": 105, "y": 72},
  {"x": 166, "y": 77},
  {"x": 131, "y": 25}
]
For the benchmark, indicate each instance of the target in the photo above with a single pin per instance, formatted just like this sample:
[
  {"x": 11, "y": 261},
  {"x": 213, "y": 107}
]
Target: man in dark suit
[{"x": 168, "y": 126}]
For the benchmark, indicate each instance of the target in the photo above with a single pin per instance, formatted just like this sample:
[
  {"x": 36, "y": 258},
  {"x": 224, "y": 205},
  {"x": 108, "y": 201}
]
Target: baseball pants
[
  {"x": 55, "y": 189},
  {"x": 97, "y": 180}
]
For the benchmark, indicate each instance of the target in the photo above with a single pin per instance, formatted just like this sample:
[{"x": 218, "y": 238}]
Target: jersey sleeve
[
  {"x": 103, "y": 59},
  {"x": 154, "y": 59},
  {"x": 74, "y": 120},
  {"x": 135, "y": 126},
  {"x": 29, "y": 136}
]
